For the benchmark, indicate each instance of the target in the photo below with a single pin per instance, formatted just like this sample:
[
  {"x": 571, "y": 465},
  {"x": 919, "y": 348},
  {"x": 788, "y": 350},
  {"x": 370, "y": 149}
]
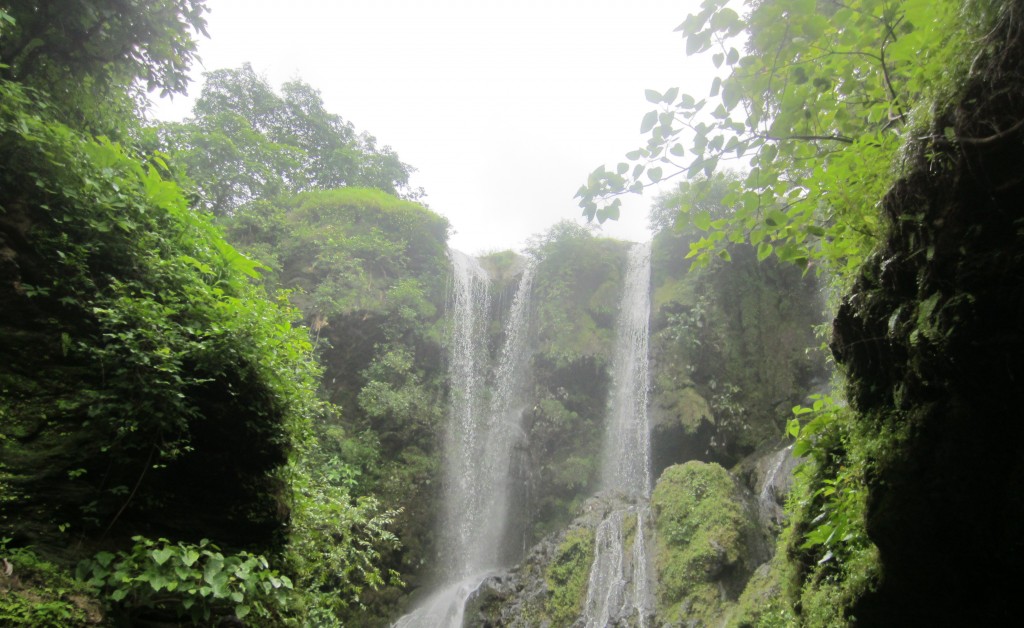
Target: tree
[
  {"x": 701, "y": 197},
  {"x": 815, "y": 100},
  {"x": 246, "y": 142},
  {"x": 90, "y": 55}
]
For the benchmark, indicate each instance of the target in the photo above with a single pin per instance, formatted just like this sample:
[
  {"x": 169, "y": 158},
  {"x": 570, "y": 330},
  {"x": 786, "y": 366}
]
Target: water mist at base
[{"x": 482, "y": 432}]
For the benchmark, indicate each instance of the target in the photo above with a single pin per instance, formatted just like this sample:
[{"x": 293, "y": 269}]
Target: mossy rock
[
  {"x": 762, "y": 602},
  {"x": 702, "y": 553},
  {"x": 567, "y": 576}
]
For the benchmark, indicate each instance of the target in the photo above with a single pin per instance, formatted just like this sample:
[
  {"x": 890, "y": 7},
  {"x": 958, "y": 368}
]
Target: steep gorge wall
[{"x": 931, "y": 337}]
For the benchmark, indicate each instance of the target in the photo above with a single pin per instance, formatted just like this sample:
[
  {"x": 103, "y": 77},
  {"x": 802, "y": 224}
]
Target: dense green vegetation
[
  {"x": 222, "y": 363},
  {"x": 245, "y": 142},
  {"x": 731, "y": 346},
  {"x": 151, "y": 388}
]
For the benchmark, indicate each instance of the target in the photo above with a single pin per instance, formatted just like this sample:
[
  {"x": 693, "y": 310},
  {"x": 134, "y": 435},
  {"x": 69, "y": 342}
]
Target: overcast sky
[{"x": 503, "y": 108}]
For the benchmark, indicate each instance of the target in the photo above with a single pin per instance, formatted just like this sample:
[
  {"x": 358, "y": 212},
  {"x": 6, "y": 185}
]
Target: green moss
[
  {"x": 700, "y": 525},
  {"x": 567, "y": 576},
  {"x": 763, "y": 602}
]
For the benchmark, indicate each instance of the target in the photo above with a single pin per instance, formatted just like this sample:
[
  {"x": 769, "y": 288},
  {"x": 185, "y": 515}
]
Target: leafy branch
[{"x": 812, "y": 112}]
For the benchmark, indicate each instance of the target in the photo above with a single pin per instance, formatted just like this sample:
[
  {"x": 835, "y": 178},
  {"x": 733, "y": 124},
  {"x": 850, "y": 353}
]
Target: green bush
[{"x": 182, "y": 580}]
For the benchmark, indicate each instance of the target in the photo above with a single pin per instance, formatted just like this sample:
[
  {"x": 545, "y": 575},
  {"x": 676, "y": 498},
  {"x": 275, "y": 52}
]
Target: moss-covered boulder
[{"x": 705, "y": 549}]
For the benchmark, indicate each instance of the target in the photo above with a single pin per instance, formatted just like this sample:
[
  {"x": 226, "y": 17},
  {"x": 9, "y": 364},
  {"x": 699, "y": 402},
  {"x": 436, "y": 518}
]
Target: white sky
[{"x": 503, "y": 107}]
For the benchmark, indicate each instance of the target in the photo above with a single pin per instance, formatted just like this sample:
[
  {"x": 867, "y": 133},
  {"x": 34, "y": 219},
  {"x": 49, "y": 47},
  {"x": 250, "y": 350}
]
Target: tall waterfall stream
[
  {"x": 482, "y": 433},
  {"x": 619, "y": 585}
]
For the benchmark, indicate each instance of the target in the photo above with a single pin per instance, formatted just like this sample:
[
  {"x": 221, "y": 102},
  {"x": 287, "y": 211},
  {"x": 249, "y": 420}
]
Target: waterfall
[
  {"x": 626, "y": 463},
  {"x": 482, "y": 432},
  {"x": 615, "y": 592}
]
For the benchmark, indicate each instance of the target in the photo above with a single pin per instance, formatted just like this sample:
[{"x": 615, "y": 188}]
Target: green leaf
[
  {"x": 730, "y": 95},
  {"x": 189, "y": 557},
  {"x": 650, "y": 119},
  {"x": 793, "y": 427},
  {"x": 104, "y": 558},
  {"x": 776, "y": 218},
  {"x": 160, "y": 556},
  {"x": 652, "y": 96},
  {"x": 726, "y": 19},
  {"x": 764, "y": 249}
]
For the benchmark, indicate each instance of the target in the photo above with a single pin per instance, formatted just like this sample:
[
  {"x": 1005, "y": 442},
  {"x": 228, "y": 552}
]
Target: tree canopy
[
  {"x": 245, "y": 141},
  {"x": 154, "y": 401},
  {"x": 96, "y": 60}
]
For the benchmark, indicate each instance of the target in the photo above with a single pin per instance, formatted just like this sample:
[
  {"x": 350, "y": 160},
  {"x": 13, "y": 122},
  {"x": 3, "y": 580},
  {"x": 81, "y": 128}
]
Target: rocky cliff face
[{"x": 931, "y": 337}]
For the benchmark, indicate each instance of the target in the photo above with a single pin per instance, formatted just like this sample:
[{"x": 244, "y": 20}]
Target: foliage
[
  {"x": 39, "y": 594},
  {"x": 702, "y": 196},
  {"x": 827, "y": 540},
  {"x": 336, "y": 541},
  {"x": 369, "y": 272},
  {"x": 729, "y": 349},
  {"x": 817, "y": 97},
  {"x": 245, "y": 142},
  {"x": 148, "y": 383},
  {"x": 577, "y": 292},
  {"x": 87, "y": 55},
  {"x": 179, "y": 580},
  {"x": 567, "y": 576},
  {"x": 141, "y": 336},
  {"x": 840, "y": 520}
]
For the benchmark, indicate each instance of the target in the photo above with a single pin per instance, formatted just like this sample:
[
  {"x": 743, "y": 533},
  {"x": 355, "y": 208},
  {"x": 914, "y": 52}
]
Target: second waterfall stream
[{"x": 619, "y": 590}]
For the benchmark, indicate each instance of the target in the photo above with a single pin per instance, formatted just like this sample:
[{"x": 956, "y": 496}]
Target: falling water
[
  {"x": 614, "y": 593},
  {"x": 481, "y": 436},
  {"x": 626, "y": 466}
]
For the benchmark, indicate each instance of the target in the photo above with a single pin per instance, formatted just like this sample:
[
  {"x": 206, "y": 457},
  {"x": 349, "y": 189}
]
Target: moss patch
[
  {"x": 700, "y": 523},
  {"x": 567, "y": 576}
]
